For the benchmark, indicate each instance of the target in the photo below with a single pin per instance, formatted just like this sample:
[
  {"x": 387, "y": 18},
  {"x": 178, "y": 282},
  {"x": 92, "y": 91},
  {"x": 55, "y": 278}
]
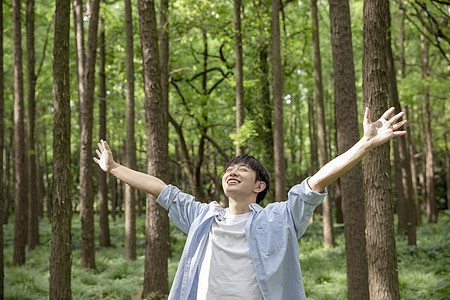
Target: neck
[{"x": 239, "y": 207}]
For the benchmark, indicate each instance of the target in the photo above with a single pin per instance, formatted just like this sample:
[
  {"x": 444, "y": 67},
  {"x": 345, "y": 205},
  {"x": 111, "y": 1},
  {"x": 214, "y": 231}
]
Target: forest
[{"x": 180, "y": 87}]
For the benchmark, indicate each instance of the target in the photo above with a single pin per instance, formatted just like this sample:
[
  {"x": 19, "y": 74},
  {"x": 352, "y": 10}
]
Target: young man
[{"x": 246, "y": 251}]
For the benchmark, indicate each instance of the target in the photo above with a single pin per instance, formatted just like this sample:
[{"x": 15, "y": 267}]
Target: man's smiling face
[{"x": 238, "y": 181}]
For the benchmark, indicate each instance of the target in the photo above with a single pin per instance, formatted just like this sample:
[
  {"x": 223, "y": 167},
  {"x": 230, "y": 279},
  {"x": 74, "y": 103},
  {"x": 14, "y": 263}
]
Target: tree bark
[
  {"x": 240, "y": 115},
  {"x": 2, "y": 147},
  {"x": 130, "y": 143},
  {"x": 33, "y": 233},
  {"x": 79, "y": 46},
  {"x": 266, "y": 102},
  {"x": 8, "y": 156},
  {"x": 429, "y": 169},
  {"x": 103, "y": 233},
  {"x": 405, "y": 204},
  {"x": 347, "y": 131},
  {"x": 380, "y": 239},
  {"x": 157, "y": 224},
  {"x": 61, "y": 252},
  {"x": 20, "y": 177},
  {"x": 278, "y": 134},
  {"x": 86, "y": 123},
  {"x": 328, "y": 236},
  {"x": 447, "y": 156}
]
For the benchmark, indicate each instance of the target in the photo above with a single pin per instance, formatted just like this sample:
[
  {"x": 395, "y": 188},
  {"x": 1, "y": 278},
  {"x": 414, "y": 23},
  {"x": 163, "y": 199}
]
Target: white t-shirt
[{"x": 227, "y": 270}]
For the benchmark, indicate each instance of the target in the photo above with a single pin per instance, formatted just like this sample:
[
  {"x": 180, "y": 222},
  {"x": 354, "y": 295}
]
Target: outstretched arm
[
  {"x": 144, "y": 182},
  {"x": 375, "y": 134}
]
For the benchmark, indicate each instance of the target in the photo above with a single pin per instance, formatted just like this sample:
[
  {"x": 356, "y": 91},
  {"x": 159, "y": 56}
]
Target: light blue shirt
[{"x": 272, "y": 233}]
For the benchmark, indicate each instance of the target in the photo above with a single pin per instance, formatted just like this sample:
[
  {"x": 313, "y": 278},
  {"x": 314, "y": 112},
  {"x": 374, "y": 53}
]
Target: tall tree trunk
[
  {"x": 103, "y": 233},
  {"x": 239, "y": 73},
  {"x": 79, "y": 46},
  {"x": 429, "y": 173},
  {"x": 447, "y": 155},
  {"x": 314, "y": 159},
  {"x": 2, "y": 146},
  {"x": 33, "y": 233},
  {"x": 405, "y": 204},
  {"x": 380, "y": 237},
  {"x": 267, "y": 102},
  {"x": 407, "y": 137},
  {"x": 328, "y": 236},
  {"x": 48, "y": 186},
  {"x": 87, "y": 244},
  {"x": 8, "y": 157},
  {"x": 352, "y": 187},
  {"x": 157, "y": 223},
  {"x": 20, "y": 174},
  {"x": 61, "y": 251},
  {"x": 130, "y": 143},
  {"x": 278, "y": 134}
]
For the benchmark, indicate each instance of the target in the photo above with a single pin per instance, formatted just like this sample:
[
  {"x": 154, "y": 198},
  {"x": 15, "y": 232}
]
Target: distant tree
[
  {"x": 157, "y": 222},
  {"x": 103, "y": 233},
  {"x": 278, "y": 130},
  {"x": 328, "y": 236},
  {"x": 380, "y": 236},
  {"x": 240, "y": 115},
  {"x": 61, "y": 249},
  {"x": 87, "y": 244},
  {"x": 429, "y": 174},
  {"x": 2, "y": 146},
  {"x": 347, "y": 130},
  {"x": 33, "y": 222},
  {"x": 20, "y": 167},
  {"x": 79, "y": 47},
  {"x": 405, "y": 202},
  {"x": 130, "y": 142}
]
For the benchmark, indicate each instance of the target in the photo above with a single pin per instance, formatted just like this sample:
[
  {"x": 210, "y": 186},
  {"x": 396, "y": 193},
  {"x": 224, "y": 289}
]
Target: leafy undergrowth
[{"x": 423, "y": 270}]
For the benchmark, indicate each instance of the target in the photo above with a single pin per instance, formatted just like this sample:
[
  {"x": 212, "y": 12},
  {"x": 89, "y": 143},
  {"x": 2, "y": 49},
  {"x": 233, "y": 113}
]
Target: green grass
[{"x": 423, "y": 270}]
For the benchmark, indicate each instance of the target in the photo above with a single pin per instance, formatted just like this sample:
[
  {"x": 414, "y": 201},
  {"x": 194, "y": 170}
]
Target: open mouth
[{"x": 233, "y": 181}]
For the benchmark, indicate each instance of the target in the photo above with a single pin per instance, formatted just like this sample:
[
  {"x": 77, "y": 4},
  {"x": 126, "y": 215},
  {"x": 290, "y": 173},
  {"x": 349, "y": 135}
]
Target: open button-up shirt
[{"x": 272, "y": 233}]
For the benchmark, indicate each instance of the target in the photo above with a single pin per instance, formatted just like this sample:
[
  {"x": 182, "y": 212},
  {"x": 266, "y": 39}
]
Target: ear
[{"x": 259, "y": 186}]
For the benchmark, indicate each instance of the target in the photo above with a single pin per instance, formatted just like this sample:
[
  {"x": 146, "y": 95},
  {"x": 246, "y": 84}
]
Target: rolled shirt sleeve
[{"x": 302, "y": 201}]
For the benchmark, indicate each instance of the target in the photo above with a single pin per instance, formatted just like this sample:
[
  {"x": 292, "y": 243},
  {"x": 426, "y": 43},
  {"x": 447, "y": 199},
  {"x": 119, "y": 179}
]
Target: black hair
[{"x": 255, "y": 165}]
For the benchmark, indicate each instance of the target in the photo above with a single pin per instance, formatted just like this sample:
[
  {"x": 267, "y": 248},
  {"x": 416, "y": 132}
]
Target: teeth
[{"x": 233, "y": 181}]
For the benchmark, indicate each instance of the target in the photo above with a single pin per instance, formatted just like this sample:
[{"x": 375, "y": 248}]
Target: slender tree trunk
[
  {"x": 314, "y": 159},
  {"x": 39, "y": 183},
  {"x": 20, "y": 174},
  {"x": 328, "y": 236},
  {"x": 86, "y": 123},
  {"x": 405, "y": 204},
  {"x": 352, "y": 186},
  {"x": 130, "y": 143},
  {"x": 239, "y": 73},
  {"x": 407, "y": 137},
  {"x": 79, "y": 45},
  {"x": 278, "y": 134},
  {"x": 33, "y": 233},
  {"x": 380, "y": 237},
  {"x": 447, "y": 155},
  {"x": 103, "y": 233},
  {"x": 61, "y": 251},
  {"x": 157, "y": 223},
  {"x": 48, "y": 186},
  {"x": 429, "y": 173},
  {"x": 2, "y": 146},
  {"x": 8, "y": 157}
]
